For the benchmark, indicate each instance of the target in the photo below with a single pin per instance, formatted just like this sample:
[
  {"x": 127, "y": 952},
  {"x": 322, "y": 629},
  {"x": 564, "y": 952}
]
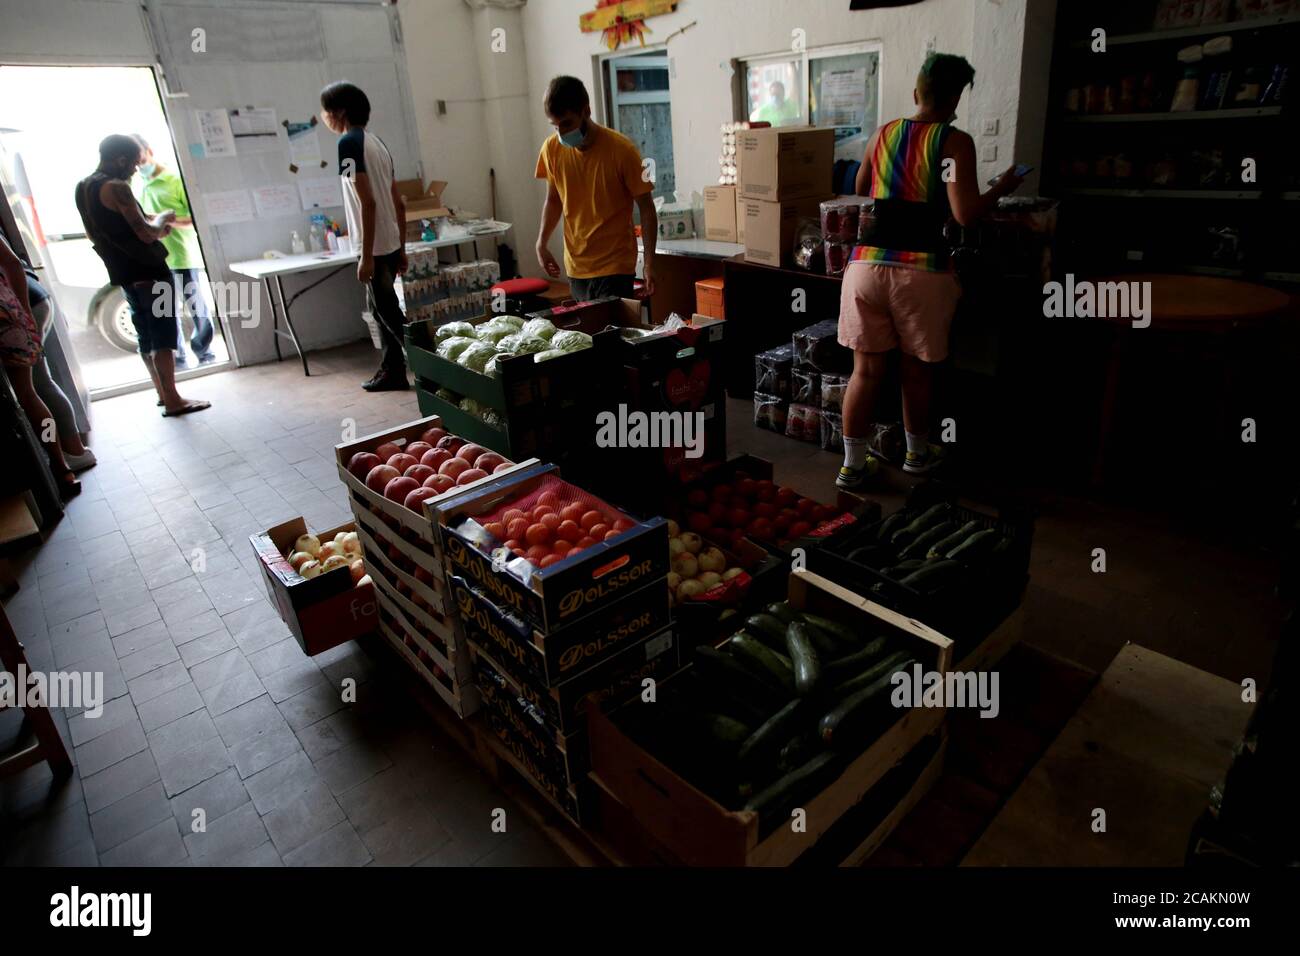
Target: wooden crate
[
  {"x": 463, "y": 700},
  {"x": 699, "y": 830}
]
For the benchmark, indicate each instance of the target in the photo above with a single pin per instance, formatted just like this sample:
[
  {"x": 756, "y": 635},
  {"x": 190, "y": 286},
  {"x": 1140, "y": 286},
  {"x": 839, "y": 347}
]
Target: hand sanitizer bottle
[{"x": 296, "y": 243}]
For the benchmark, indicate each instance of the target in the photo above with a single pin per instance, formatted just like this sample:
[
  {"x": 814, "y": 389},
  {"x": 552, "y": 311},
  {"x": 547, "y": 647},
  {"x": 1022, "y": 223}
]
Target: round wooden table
[{"x": 1202, "y": 305}]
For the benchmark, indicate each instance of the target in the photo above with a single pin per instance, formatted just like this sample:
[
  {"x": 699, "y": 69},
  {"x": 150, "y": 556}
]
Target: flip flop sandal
[
  {"x": 69, "y": 486},
  {"x": 191, "y": 407}
]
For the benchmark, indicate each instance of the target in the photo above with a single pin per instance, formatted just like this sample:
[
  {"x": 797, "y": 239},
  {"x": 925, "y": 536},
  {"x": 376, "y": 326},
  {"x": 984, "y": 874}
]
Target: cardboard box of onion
[{"x": 317, "y": 582}]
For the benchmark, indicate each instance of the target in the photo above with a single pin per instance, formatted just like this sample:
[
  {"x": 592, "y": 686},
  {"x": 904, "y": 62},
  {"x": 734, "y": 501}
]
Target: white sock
[
  {"x": 918, "y": 444},
  {"x": 855, "y": 452}
]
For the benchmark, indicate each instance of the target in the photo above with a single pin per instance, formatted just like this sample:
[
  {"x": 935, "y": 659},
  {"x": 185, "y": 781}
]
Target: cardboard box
[
  {"x": 422, "y": 203},
  {"x": 702, "y": 832},
  {"x": 321, "y": 612},
  {"x": 740, "y": 217},
  {"x": 720, "y": 213},
  {"x": 676, "y": 221},
  {"x": 786, "y": 163},
  {"x": 770, "y": 227},
  {"x": 710, "y": 298}
]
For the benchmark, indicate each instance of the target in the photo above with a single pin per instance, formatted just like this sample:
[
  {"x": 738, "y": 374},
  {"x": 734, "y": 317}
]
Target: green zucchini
[
  {"x": 782, "y": 611},
  {"x": 771, "y": 734},
  {"x": 933, "y": 576},
  {"x": 762, "y": 660},
  {"x": 844, "y": 723},
  {"x": 843, "y": 668},
  {"x": 954, "y": 539},
  {"x": 854, "y": 684},
  {"x": 804, "y": 657},
  {"x": 767, "y": 628},
  {"x": 778, "y": 799},
  {"x": 840, "y": 632},
  {"x": 921, "y": 543},
  {"x": 903, "y": 568},
  {"x": 976, "y": 546},
  {"x": 725, "y": 669},
  {"x": 891, "y": 524},
  {"x": 725, "y": 730},
  {"x": 872, "y": 556},
  {"x": 798, "y": 750},
  {"x": 911, "y": 531}
]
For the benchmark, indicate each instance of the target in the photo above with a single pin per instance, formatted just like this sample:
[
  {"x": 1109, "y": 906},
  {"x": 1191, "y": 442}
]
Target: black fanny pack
[{"x": 907, "y": 226}]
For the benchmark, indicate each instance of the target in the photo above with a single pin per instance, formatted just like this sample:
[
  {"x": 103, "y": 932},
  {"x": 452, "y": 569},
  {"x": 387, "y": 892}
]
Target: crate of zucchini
[
  {"x": 958, "y": 570},
  {"x": 794, "y": 712},
  {"x": 508, "y": 401}
]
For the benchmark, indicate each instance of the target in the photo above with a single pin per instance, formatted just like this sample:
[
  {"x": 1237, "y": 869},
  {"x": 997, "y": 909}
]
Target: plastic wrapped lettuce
[
  {"x": 490, "y": 369},
  {"x": 521, "y": 343},
  {"x": 492, "y": 333},
  {"x": 542, "y": 328},
  {"x": 452, "y": 330},
  {"x": 476, "y": 357},
  {"x": 549, "y": 354},
  {"x": 470, "y": 407},
  {"x": 514, "y": 321},
  {"x": 493, "y": 418},
  {"x": 447, "y": 395},
  {"x": 451, "y": 348},
  {"x": 571, "y": 341}
]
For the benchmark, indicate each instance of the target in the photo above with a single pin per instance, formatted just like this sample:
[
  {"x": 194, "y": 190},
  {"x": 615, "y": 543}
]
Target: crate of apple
[
  {"x": 311, "y": 558},
  {"x": 761, "y": 510},
  {"x": 424, "y": 469},
  {"x": 551, "y": 529},
  {"x": 699, "y": 570}
]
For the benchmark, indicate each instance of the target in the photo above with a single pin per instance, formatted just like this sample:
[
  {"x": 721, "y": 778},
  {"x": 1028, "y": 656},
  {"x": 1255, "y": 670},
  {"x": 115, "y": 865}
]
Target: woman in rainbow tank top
[{"x": 900, "y": 291}]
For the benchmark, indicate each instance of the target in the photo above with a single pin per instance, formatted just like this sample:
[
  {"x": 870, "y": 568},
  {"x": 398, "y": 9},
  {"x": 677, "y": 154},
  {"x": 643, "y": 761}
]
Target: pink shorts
[{"x": 889, "y": 307}]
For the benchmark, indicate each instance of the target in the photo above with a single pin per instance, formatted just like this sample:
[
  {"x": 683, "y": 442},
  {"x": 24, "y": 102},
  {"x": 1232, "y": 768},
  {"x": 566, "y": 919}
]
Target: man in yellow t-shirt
[{"x": 593, "y": 176}]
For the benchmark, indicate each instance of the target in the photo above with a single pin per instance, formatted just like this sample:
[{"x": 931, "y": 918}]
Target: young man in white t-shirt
[{"x": 376, "y": 216}]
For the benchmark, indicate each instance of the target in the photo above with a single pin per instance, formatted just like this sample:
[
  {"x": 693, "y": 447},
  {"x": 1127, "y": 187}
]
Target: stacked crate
[
  {"x": 404, "y": 560},
  {"x": 547, "y": 644}
]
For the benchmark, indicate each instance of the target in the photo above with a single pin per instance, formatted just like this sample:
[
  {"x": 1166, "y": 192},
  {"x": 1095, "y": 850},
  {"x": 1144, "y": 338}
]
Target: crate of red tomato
[{"x": 740, "y": 500}]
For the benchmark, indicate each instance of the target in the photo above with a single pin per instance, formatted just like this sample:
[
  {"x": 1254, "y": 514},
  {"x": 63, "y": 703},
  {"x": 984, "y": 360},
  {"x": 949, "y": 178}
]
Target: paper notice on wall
[
  {"x": 255, "y": 129},
  {"x": 214, "y": 131},
  {"x": 320, "y": 192},
  {"x": 273, "y": 202},
  {"x": 228, "y": 207},
  {"x": 843, "y": 100},
  {"x": 304, "y": 145}
]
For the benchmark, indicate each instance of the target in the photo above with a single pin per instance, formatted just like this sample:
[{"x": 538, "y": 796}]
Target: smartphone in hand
[{"x": 1022, "y": 170}]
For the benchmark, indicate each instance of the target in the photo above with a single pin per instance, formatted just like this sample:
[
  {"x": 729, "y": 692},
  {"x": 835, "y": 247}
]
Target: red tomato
[
  {"x": 537, "y": 534},
  {"x": 697, "y": 498},
  {"x": 799, "y": 529},
  {"x": 550, "y": 519},
  {"x": 589, "y": 519},
  {"x": 623, "y": 524},
  {"x": 739, "y": 518},
  {"x": 574, "y": 550},
  {"x": 781, "y": 524},
  {"x": 549, "y": 560},
  {"x": 541, "y": 510},
  {"x": 765, "y": 509},
  {"x": 549, "y": 499},
  {"x": 513, "y": 513},
  {"x": 786, "y": 497},
  {"x": 517, "y": 528},
  {"x": 740, "y": 475},
  {"x": 562, "y": 547},
  {"x": 583, "y": 544},
  {"x": 735, "y": 536},
  {"x": 610, "y": 536},
  {"x": 805, "y": 507},
  {"x": 718, "y": 513},
  {"x": 747, "y": 488},
  {"x": 721, "y": 492},
  {"x": 495, "y": 528},
  {"x": 536, "y": 553},
  {"x": 515, "y": 546},
  {"x": 698, "y": 522},
  {"x": 761, "y": 529},
  {"x": 569, "y": 531},
  {"x": 573, "y": 512},
  {"x": 765, "y": 490},
  {"x": 598, "y": 531}
]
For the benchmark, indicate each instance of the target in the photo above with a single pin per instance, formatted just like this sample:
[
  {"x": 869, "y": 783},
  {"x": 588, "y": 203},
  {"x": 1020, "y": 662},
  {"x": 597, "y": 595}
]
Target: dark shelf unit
[{"x": 1182, "y": 206}]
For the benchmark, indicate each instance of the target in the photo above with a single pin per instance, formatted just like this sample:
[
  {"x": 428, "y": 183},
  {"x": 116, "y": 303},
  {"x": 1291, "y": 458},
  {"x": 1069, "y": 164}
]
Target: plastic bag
[
  {"x": 833, "y": 389},
  {"x": 832, "y": 431},
  {"x": 805, "y": 387},
  {"x": 804, "y": 422},
  {"x": 493, "y": 418},
  {"x": 521, "y": 343},
  {"x": 493, "y": 332},
  {"x": 841, "y": 218},
  {"x": 451, "y": 348},
  {"x": 476, "y": 357},
  {"x": 808, "y": 245},
  {"x": 514, "y": 321},
  {"x": 571, "y": 341},
  {"x": 541, "y": 328},
  {"x": 772, "y": 371},
  {"x": 452, "y": 330},
  {"x": 672, "y": 324},
  {"x": 549, "y": 354},
  {"x": 770, "y": 412},
  {"x": 817, "y": 347},
  {"x": 837, "y": 256}
]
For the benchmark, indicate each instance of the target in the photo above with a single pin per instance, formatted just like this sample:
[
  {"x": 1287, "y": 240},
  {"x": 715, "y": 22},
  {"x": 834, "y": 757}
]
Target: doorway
[
  {"x": 639, "y": 107},
  {"x": 52, "y": 119}
]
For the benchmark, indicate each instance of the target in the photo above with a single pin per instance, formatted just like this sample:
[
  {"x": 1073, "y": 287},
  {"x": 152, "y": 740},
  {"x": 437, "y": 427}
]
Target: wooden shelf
[
  {"x": 1202, "y": 29},
  {"x": 1245, "y": 112},
  {"x": 1163, "y": 193}
]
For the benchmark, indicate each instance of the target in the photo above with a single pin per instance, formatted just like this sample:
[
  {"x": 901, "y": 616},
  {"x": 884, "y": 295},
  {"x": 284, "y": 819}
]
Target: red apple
[
  {"x": 502, "y": 467},
  {"x": 416, "y": 449},
  {"x": 718, "y": 513},
  {"x": 765, "y": 509},
  {"x": 417, "y": 495},
  {"x": 440, "y": 483},
  {"x": 697, "y": 499},
  {"x": 739, "y": 518},
  {"x": 387, "y": 450},
  {"x": 420, "y": 473},
  {"x": 403, "y": 461},
  {"x": 453, "y": 467},
  {"x": 377, "y": 478},
  {"x": 698, "y": 522},
  {"x": 470, "y": 475},
  {"x": 433, "y": 435},
  {"x": 450, "y": 442},
  {"x": 489, "y": 461},
  {"x": 434, "y": 457},
  {"x": 361, "y": 463},
  {"x": 469, "y": 453},
  {"x": 399, "y": 488}
]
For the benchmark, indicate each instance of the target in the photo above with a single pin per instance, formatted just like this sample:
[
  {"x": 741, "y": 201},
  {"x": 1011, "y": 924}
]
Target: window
[
  {"x": 836, "y": 87},
  {"x": 638, "y": 106}
]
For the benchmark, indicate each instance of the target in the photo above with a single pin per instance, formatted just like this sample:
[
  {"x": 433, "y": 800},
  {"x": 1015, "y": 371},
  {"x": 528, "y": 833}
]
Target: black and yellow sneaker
[
  {"x": 850, "y": 479},
  {"x": 920, "y": 464}
]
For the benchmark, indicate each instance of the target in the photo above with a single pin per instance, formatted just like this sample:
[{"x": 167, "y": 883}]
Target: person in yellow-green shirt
[
  {"x": 778, "y": 110},
  {"x": 594, "y": 175},
  {"x": 163, "y": 191}
]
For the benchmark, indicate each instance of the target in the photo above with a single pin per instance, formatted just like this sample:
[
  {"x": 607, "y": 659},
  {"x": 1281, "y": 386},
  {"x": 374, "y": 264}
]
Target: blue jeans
[{"x": 189, "y": 289}]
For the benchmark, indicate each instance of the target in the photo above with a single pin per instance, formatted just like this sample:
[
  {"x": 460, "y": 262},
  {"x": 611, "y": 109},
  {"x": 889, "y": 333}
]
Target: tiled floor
[{"x": 214, "y": 715}]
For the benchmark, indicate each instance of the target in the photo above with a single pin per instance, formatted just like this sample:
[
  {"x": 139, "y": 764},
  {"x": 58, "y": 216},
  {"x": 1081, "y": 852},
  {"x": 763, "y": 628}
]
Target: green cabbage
[
  {"x": 542, "y": 328},
  {"x": 549, "y": 354},
  {"x": 476, "y": 357},
  {"x": 447, "y": 395},
  {"x": 453, "y": 329},
  {"x": 521, "y": 343},
  {"x": 492, "y": 333},
  {"x": 571, "y": 341},
  {"x": 493, "y": 418},
  {"x": 514, "y": 321},
  {"x": 451, "y": 348},
  {"x": 491, "y": 370},
  {"x": 471, "y": 407}
]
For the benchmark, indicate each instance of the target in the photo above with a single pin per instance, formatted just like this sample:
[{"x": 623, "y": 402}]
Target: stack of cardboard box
[{"x": 784, "y": 176}]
